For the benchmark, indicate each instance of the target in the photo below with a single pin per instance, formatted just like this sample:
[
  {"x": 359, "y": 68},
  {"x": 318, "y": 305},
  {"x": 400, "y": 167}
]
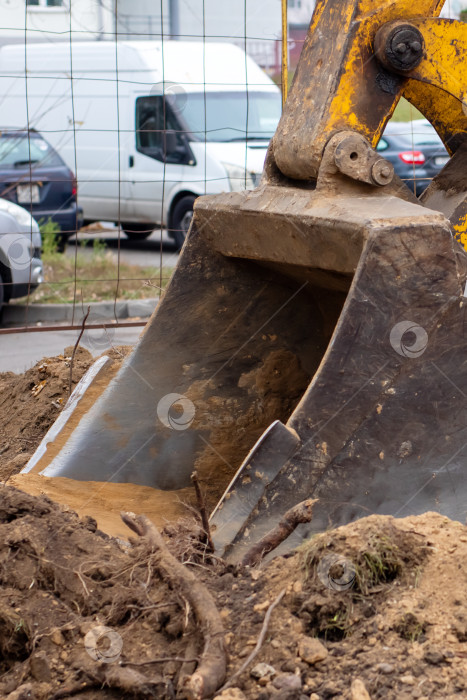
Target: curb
[{"x": 54, "y": 313}]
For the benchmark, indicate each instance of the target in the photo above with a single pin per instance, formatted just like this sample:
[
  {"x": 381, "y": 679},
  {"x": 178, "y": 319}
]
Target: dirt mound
[
  {"x": 31, "y": 402},
  {"x": 375, "y": 609},
  {"x": 62, "y": 582},
  {"x": 377, "y": 605}
]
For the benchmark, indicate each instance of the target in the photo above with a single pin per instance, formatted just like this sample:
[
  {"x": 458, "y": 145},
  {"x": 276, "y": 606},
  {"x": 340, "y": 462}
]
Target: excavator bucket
[{"x": 311, "y": 342}]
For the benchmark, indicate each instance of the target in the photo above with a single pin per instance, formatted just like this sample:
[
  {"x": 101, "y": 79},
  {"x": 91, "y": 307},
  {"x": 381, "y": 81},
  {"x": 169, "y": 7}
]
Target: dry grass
[{"x": 96, "y": 276}]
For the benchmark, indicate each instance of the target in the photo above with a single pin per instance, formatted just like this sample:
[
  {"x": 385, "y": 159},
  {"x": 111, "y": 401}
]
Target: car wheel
[
  {"x": 138, "y": 232},
  {"x": 62, "y": 240},
  {"x": 181, "y": 219}
]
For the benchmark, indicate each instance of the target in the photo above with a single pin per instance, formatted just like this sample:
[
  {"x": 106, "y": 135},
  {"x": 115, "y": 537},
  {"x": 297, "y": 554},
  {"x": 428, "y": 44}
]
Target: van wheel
[
  {"x": 62, "y": 240},
  {"x": 138, "y": 232},
  {"x": 181, "y": 219}
]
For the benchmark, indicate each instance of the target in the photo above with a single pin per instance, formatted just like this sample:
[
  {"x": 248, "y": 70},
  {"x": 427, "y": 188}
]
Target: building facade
[{"x": 251, "y": 24}]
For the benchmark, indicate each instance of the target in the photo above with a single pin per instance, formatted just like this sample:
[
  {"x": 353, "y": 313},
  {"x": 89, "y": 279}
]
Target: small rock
[
  {"x": 331, "y": 689},
  {"x": 407, "y": 680},
  {"x": 287, "y": 681},
  {"x": 57, "y": 638},
  {"x": 358, "y": 690},
  {"x": 86, "y": 627},
  {"x": 289, "y": 666},
  {"x": 89, "y": 523},
  {"x": 385, "y": 668},
  {"x": 231, "y": 694},
  {"x": 275, "y": 644},
  {"x": 314, "y": 696},
  {"x": 433, "y": 656},
  {"x": 311, "y": 650},
  {"x": 40, "y": 669},
  {"x": 263, "y": 671},
  {"x": 24, "y": 692}
]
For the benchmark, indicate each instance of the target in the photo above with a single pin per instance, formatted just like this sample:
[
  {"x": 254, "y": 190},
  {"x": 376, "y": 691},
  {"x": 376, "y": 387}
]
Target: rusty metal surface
[
  {"x": 383, "y": 424},
  {"x": 436, "y": 83},
  {"x": 277, "y": 444},
  {"x": 238, "y": 342},
  {"x": 339, "y": 84}
]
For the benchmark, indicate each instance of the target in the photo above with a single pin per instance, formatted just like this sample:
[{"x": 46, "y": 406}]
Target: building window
[
  {"x": 295, "y": 4},
  {"x": 45, "y": 3}
]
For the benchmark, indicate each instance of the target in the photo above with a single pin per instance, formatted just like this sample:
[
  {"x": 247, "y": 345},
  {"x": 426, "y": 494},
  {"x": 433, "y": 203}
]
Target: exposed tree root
[
  {"x": 211, "y": 671},
  {"x": 259, "y": 643},
  {"x": 203, "y": 512},
  {"x": 301, "y": 513}
]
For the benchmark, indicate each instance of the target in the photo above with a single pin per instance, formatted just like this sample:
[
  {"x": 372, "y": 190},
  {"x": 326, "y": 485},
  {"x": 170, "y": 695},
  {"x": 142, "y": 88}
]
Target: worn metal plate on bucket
[{"x": 260, "y": 467}]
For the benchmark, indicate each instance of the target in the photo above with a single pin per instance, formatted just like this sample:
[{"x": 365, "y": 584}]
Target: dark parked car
[
  {"x": 415, "y": 150},
  {"x": 33, "y": 175}
]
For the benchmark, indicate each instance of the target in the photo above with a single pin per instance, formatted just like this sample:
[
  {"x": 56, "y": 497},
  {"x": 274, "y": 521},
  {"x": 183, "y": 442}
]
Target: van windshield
[{"x": 228, "y": 116}]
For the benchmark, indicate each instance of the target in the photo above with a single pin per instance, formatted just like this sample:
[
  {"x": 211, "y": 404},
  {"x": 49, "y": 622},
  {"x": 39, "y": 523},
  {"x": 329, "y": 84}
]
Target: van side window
[{"x": 158, "y": 134}]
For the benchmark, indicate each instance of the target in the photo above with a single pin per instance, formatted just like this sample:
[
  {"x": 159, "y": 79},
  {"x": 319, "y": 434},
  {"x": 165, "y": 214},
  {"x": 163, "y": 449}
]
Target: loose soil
[
  {"x": 31, "y": 402},
  {"x": 400, "y": 628},
  {"x": 373, "y": 609}
]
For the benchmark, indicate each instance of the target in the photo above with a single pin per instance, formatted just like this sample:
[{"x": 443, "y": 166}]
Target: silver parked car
[{"x": 20, "y": 252}]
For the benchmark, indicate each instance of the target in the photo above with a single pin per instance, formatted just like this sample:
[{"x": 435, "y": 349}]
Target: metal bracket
[{"x": 355, "y": 158}]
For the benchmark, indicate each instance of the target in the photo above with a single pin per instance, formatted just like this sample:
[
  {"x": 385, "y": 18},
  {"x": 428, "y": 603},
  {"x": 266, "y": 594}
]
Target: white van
[{"x": 146, "y": 126}]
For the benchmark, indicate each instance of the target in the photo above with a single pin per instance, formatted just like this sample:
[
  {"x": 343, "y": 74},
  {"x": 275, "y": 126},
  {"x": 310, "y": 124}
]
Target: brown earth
[
  {"x": 397, "y": 629},
  {"x": 374, "y": 609},
  {"x": 31, "y": 402}
]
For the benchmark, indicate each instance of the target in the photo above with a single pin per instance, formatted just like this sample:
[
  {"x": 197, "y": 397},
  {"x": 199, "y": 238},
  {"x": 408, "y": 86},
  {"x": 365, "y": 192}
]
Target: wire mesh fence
[{"x": 116, "y": 115}]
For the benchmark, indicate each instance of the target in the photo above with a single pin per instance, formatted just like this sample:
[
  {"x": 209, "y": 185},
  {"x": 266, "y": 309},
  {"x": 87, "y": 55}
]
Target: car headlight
[
  {"x": 239, "y": 178},
  {"x": 22, "y": 216}
]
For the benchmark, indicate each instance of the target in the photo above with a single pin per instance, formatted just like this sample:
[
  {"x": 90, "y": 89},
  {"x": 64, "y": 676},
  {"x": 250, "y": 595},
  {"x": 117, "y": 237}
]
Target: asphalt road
[
  {"x": 156, "y": 250},
  {"x": 19, "y": 351}
]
